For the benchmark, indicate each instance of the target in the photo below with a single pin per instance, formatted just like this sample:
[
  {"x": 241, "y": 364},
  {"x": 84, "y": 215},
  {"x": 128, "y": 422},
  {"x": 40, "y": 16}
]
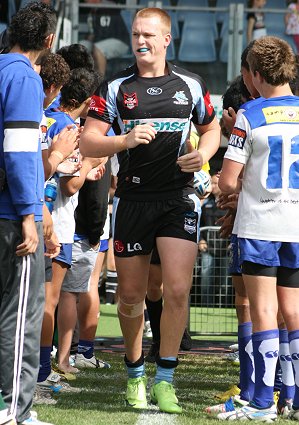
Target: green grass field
[
  {"x": 203, "y": 320},
  {"x": 101, "y": 400}
]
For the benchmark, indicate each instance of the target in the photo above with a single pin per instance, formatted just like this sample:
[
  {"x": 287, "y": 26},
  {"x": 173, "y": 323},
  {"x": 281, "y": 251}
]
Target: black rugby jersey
[{"x": 149, "y": 172}]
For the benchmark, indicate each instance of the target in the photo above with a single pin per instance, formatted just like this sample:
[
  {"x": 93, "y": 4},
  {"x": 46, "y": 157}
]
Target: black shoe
[
  {"x": 153, "y": 351},
  {"x": 186, "y": 343}
]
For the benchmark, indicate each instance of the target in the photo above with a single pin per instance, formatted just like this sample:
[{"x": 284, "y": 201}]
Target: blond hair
[{"x": 152, "y": 12}]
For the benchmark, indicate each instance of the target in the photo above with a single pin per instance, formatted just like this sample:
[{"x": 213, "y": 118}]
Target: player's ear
[
  {"x": 49, "y": 41},
  {"x": 167, "y": 38}
]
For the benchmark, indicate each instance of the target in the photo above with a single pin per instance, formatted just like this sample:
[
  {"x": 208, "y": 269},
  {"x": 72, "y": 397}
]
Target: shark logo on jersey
[
  {"x": 130, "y": 100},
  {"x": 180, "y": 98},
  {"x": 237, "y": 138}
]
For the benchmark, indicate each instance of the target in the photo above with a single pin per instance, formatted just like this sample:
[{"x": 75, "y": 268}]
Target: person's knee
[
  {"x": 177, "y": 296},
  {"x": 130, "y": 310}
]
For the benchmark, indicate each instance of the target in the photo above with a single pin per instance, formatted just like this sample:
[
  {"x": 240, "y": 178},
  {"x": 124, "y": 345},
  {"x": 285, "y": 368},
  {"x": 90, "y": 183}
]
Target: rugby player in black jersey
[{"x": 150, "y": 106}]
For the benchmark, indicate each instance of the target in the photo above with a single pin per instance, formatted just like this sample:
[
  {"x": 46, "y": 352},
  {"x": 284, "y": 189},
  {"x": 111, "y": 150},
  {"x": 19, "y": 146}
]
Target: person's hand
[
  {"x": 68, "y": 167},
  {"x": 95, "y": 247},
  {"x": 64, "y": 143},
  {"x": 229, "y": 118},
  {"x": 202, "y": 245},
  {"x": 141, "y": 134},
  {"x": 52, "y": 246},
  {"x": 47, "y": 223},
  {"x": 96, "y": 173},
  {"x": 226, "y": 224},
  {"x": 192, "y": 161},
  {"x": 230, "y": 202},
  {"x": 30, "y": 237}
]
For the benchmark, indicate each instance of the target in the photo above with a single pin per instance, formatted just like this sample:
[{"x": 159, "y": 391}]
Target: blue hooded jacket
[{"x": 21, "y": 106}]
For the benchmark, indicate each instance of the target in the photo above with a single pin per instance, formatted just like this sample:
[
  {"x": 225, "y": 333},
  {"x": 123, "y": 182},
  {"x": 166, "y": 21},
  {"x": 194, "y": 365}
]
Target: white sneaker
[
  {"x": 93, "y": 362},
  {"x": 147, "y": 331},
  {"x": 72, "y": 359},
  {"x": 34, "y": 421},
  {"x": 42, "y": 396},
  {"x": 234, "y": 358},
  {"x": 234, "y": 347},
  {"x": 228, "y": 406},
  {"x": 54, "y": 383},
  {"x": 250, "y": 414},
  {"x": 6, "y": 419}
]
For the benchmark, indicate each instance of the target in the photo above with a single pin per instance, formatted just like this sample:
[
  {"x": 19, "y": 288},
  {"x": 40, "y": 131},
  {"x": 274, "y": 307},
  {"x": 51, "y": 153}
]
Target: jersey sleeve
[
  {"x": 21, "y": 144},
  {"x": 239, "y": 145},
  {"x": 203, "y": 112},
  {"x": 103, "y": 104}
]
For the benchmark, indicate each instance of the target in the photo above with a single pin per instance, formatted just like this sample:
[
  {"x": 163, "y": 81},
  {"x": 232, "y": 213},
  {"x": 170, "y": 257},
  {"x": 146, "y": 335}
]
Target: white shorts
[{"x": 111, "y": 47}]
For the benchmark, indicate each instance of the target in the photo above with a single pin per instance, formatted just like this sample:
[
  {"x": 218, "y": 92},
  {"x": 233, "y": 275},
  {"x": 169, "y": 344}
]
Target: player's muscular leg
[
  {"x": 177, "y": 261},
  {"x": 132, "y": 284},
  {"x": 154, "y": 289}
]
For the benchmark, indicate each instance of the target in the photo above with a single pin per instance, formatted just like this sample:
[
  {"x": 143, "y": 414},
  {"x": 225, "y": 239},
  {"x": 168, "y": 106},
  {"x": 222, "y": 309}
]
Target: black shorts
[{"x": 137, "y": 224}]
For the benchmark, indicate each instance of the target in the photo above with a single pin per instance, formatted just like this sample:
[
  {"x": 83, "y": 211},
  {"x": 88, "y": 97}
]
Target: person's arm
[
  {"x": 208, "y": 145},
  {"x": 94, "y": 143},
  {"x": 21, "y": 116},
  {"x": 70, "y": 185},
  {"x": 250, "y": 25},
  {"x": 229, "y": 180},
  {"x": 62, "y": 146}
]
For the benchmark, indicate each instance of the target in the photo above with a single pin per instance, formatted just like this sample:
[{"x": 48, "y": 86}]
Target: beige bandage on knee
[{"x": 130, "y": 310}]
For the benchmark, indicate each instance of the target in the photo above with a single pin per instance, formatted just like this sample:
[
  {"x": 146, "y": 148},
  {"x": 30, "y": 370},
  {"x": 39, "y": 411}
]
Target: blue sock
[
  {"x": 163, "y": 373},
  {"x": 287, "y": 389},
  {"x": 294, "y": 352},
  {"x": 265, "y": 351},
  {"x": 86, "y": 348},
  {"x": 136, "y": 371},
  {"x": 44, "y": 363},
  {"x": 246, "y": 361}
]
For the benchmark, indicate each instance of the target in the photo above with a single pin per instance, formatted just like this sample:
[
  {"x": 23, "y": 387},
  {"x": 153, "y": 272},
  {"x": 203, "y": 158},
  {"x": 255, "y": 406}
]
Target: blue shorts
[
  {"x": 104, "y": 244},
  {"x": 234, "y": 267},
  {"x": 268, "y": 253},
  {"x": 65, "y": 255}
]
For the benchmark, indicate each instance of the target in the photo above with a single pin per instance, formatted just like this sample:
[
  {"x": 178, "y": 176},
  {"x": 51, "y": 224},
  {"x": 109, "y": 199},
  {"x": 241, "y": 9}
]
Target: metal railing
[{"x": 212, "y": 298}]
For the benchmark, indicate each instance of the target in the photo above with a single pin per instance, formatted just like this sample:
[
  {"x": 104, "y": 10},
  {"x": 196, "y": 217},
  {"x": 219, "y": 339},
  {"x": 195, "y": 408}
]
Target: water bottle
[{"x": 50, "y": 194}]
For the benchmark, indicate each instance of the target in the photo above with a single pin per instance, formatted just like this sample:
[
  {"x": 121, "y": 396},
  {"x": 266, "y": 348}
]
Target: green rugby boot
[
  {"x": 136, "y": 393},
  {"x": 163, "y": 394}
]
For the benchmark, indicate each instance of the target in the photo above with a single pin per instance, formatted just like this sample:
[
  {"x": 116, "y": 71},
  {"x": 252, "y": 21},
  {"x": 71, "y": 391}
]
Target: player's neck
[
  {"x": 155, "y": 70},
  {"x": 276, "y": 91},
  {"x": 73, "y": 113}
]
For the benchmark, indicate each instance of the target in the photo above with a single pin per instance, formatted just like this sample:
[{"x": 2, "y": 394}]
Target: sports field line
[{"x": 157, "y": 418}]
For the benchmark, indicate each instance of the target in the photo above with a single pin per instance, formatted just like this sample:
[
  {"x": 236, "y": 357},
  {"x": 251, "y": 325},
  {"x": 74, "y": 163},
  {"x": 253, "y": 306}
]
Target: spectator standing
[
  {"x": 292, "y": 22},
  {"x": 21, "y": 204},
  {"x": 108, "y": 36},
  {"x": 256, "y": 20}
]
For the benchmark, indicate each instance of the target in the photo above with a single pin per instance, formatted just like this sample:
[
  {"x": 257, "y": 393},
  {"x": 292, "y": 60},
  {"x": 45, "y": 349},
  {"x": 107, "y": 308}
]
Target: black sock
[
  {"x": 154, "y": 309},
  {"x": 111, "y": 286}
]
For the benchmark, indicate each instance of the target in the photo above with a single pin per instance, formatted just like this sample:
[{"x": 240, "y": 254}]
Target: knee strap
[{"x": 130, "y": 310}]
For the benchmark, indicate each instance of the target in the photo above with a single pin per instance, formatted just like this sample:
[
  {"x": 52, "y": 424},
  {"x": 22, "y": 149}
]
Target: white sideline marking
[{"x": 156, "y": 418}]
